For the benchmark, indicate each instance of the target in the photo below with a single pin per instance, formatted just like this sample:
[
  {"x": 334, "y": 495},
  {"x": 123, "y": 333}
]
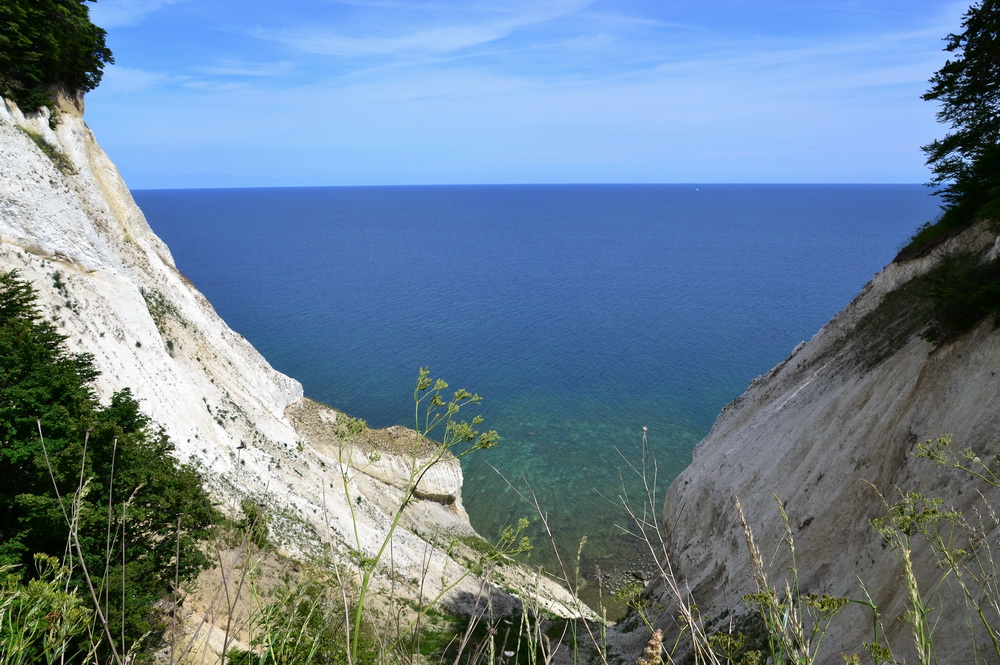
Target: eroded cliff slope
[{"x": 837, "y": 420}]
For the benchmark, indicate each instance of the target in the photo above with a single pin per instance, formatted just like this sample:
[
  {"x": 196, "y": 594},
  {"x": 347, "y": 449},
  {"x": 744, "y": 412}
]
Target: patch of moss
[
  {"x": 57, "y": 157},
  {"x": 963, "y": 291},
  {"x": 161, "y": 310},
  {"x": 479, "y": 545},
  {"x": 902, "y": 314}
]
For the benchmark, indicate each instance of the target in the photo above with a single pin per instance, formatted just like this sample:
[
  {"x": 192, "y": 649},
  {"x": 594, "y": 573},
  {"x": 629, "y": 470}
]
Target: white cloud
[
  {"x": 435, "y": 33},
  {"x": 430, "y": 41},
  {"x": 590, "y": 42},
  {"x": 110, "y": 14},
  {"x": 417, "y": 6},
  {"x": 626, "y": 20},
  {"x": 130, "y": 80},
  {"x": 214, "y": 86},
  {"x": 247, "y": 69}
]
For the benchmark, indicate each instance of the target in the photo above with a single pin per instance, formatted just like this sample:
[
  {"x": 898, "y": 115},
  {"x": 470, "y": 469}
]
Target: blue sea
[{"x": 581, "y": 313}]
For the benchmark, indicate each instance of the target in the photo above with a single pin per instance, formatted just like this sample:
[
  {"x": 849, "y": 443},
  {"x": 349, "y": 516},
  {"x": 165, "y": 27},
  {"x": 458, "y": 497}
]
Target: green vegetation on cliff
[
  {"x": 964, "y": 290},
  {"x": 46, "y": 45},
  {"x": 966, "y": 161},
  {"x": 137, "y": 515}
]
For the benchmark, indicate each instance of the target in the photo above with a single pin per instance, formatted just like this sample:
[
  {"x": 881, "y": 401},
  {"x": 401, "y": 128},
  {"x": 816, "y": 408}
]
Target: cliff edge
[{"x": 69, "y": 225}]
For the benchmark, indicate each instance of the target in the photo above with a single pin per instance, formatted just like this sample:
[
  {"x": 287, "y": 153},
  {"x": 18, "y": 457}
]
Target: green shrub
[
  {"x": 65, "y": 456},
  {"x": 254, "y": 523},
  {"x": 963, "y": 292}
]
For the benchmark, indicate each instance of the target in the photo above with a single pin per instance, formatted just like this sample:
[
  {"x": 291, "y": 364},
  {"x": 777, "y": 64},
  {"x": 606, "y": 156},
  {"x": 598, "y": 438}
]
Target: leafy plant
[
  {"x": 254, "y": 522},
  {"x": 42, "y": 620},
  {"x": 434, "y": 414},
  {"x": 796, "y": 621},
  {"x": 303, "y": 625}
]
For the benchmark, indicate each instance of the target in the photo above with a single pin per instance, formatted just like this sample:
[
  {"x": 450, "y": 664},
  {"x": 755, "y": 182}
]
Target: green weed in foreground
[
  {"x": 796, "y": 622},
  {"x": 42, "y": 620},
  {"x": 303, "y": 625},
  {"x": 911, "y": 526},
  {"x": 434, "y": 415}
]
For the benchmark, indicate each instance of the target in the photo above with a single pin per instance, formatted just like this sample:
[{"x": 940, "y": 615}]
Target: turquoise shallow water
[{"x": 580, "y": 312}]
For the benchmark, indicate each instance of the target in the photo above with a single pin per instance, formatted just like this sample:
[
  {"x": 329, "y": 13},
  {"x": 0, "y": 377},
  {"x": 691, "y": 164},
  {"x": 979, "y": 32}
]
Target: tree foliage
[
  {"x": 966, "y": 168},
  {"x": 136, "y": 506},
  {"x": 966, "y": 162},
  {"x": 45, "y": 44}
]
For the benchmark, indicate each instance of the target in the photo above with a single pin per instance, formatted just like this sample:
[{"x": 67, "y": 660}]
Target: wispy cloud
[
  {"x": 213, "y": 86},
  {"x": 131, "y": 80},
  {"x": 868, "y": 10},
  {"x": 590, "y": 42},
  {"x": 124, "y": 13},
  {"x": 420, "y": 6},
  {"x": 247, "y": 69},
  {"x": 423, "y": 29},
  {"x": 612, "y": 19},
  {"x": 429, "y": 41}
]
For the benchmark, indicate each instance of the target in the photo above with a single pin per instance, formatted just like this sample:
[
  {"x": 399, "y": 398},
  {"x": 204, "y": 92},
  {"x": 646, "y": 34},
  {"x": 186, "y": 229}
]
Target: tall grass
[
  {"x": 323, "y": 614},
  {"x": 320, "y": 616},
  {"x": 796, "y": 622},
  {"x": 912, "y": 527}
]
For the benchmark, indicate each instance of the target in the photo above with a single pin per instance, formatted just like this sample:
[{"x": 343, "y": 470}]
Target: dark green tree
[
  {"x": 138, "y": 504},
  {"x": 47, "y": 44},
  {"x": 966, "y": 162}
]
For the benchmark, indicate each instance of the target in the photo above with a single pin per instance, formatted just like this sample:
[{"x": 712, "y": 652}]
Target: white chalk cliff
[
  {"x": 843, "y": 410},
  {"x": 111, "y": 286}
]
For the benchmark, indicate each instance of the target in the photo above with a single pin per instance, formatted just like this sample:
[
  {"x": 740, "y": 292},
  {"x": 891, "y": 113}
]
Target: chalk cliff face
[
  {"x": 111, "y": 286},
  {"x": 844, "y": 410}
]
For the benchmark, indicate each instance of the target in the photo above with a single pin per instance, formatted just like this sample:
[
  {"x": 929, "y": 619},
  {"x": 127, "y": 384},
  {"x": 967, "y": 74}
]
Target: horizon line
[{"x": 549, "y": 184}]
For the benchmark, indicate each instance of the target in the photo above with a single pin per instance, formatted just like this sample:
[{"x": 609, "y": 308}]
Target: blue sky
[{"x": 234, "y": 93}]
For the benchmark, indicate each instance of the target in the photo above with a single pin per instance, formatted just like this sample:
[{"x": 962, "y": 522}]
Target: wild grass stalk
[
  {"x": 458, "y": 438},
  {"x": 796, "y": 621},
  {"x": 71, "y": 518},
  {"x": 593, "y": 645},
  {"x": 644, "y": 526}
]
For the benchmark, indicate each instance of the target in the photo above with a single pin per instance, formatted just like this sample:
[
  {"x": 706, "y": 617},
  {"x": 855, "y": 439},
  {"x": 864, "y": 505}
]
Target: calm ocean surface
[{"x": 581, "y": 313}]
